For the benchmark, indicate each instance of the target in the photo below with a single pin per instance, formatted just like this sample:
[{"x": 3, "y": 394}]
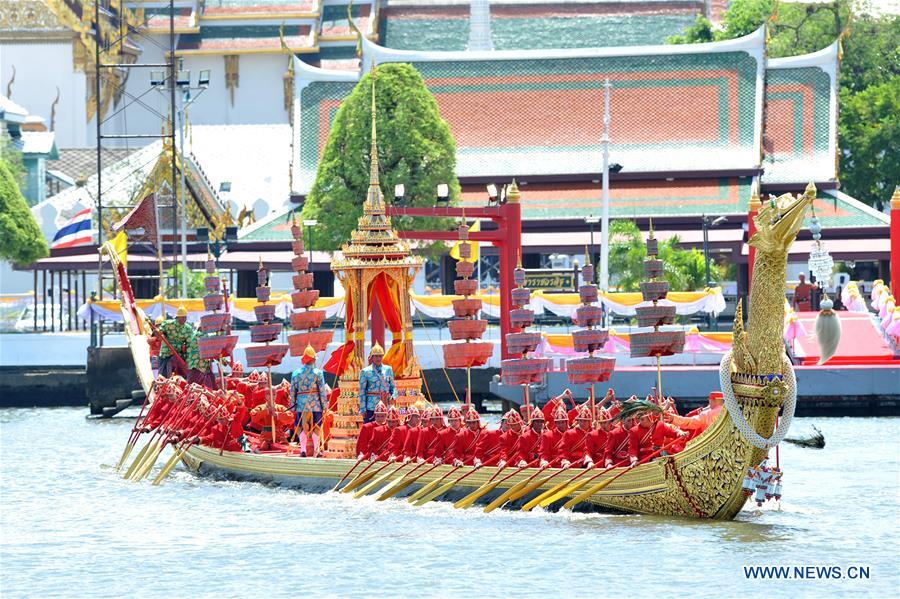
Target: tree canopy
[
  {"x": 21, "y": 239},
  {"x": 869, "y": 75},
  {"x": 415, "y": 148},
  {"x": 685, "y": 270}
]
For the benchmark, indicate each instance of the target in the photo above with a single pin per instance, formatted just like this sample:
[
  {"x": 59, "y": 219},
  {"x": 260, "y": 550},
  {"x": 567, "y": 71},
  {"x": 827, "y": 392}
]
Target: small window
[{"x": 225, "y": 186}]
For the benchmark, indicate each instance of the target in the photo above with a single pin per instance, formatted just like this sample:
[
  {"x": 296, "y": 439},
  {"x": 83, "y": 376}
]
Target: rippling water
[{"x": 72, "y": 527}]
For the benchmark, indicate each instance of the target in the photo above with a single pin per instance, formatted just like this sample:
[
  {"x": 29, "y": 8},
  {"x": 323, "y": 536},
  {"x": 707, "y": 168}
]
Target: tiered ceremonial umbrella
[
  {"x": 269, "y": 354},
  {"x": 466, "y": 327},
  {"x": 656, "y": 342},
  {"x": 218, "y": 342},
  {"x": 304, "y": 319},
  {"x": 523, "y": 370},
  {"x": 589, "y": 369}
]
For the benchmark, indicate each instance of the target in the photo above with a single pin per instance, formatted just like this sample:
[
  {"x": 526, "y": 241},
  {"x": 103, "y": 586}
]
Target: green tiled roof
[
  {"x": 838, "y": 210},
  {"x": 275, "y": 228},
  {"x": 522, "y": 33}
]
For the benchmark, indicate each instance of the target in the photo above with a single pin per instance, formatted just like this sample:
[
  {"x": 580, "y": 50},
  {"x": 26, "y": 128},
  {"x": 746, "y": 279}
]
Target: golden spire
[
  {"x": 512, "y": 193},
  {"x": 374, "y": 197},
  {"x": 651, "y": 227},
  {"x": 587, "y": 256}
]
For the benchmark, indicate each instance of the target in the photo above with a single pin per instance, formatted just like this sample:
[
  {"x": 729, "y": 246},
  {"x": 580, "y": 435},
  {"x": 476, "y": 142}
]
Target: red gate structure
[{"x": 507, "y": 238}]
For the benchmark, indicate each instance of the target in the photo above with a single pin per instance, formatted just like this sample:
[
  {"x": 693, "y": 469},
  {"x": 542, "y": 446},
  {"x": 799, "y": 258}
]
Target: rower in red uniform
[
  {"x": 464, "y": 451},
  {"x": 454, "y": 421},
  {"x": 595, "y": 445},
  {"x": 616, "y": 450},
  {"x": 489, "y": 442},
  {"x": 221, "y": 434},
  {"x": 529, "y": 443},
  {"x": 648, "y": 435},
  {"x": 551, "y": 439},
  {"x": 413, "y": 420},
  {"x": 509, "y": 439},
  {"x": 433, "y": 441},
  {"x": 696, "y": 423},
  {"x": 574, "y": 447},
  {"x": 560, "y": 401},
  {"x": 373, "y": 436},
  {"x": 398, "y": 435}
]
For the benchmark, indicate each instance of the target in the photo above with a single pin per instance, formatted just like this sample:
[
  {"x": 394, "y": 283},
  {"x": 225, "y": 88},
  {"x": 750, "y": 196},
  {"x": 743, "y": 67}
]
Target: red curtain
[
  {"x": 385, "y": 290},
  {"x": 337, "y": 362}
]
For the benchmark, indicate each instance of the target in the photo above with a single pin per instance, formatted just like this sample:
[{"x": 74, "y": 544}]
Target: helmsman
[
  {"x": 309, "y": 398},
  {"x": 376, "y": 383}
]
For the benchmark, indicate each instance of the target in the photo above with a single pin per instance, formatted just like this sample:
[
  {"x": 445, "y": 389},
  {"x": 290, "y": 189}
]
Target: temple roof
[
  {"x": 800, "y": 134},
  {"x": 517, "y": 25},
  {"x": 247, "y": 39}
]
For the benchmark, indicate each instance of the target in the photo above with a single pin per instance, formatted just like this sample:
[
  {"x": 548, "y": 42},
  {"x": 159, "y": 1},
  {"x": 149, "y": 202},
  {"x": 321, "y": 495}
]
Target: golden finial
[
  {"x": 512, "y": 193},
  {"x": 651, "y": 228},
  {"x": 260, "y": 264},
  {"x": 374, "y": 196},
  {"x": 208, "y": 252},
  {"x": 895, "y": 199},
  {"x": 519, "y": 262},
  {"x": 587, "y": 256},
  {"x": 755, "y": 202}
]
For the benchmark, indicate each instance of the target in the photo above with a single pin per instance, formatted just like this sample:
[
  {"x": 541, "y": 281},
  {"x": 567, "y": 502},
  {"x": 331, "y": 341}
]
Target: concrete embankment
[{"x": 42, "y": 386}]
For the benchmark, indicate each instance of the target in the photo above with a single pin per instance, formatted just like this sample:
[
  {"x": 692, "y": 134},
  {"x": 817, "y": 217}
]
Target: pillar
[
  {"x": 895, "y": 243},
  {"x": 510, "y": 250}
]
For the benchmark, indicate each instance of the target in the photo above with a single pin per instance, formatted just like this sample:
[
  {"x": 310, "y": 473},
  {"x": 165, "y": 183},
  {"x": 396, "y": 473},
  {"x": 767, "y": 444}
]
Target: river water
[{"x": 72, "y": 527}]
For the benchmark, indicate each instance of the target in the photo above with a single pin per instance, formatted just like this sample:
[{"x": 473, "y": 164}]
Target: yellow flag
[
  {"x": 454, "y": 251},
  {"x": 120, "y": 244}
]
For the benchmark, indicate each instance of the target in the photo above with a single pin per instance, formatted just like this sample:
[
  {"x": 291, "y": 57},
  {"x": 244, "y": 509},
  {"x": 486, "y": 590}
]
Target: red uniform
[
  {"x": 527, "y": 447},
  {"x": 642, "y": 442},
  {"x": 432, "y": 443},
  {"x": 216, "y": 438},
  {"x": 574, "y": 446},
  {"x": 412, "y": 441},
  {"x": 551, "y": 442},
  {"x": 373, "y": 438},
  {"x": 397, "y": 440},
  {"x": 616, "y": 445},
  {"x": 551, "y": 406},
  {"x": 489, "y": 444},
  {"x": 595, "y": 445},
  {"x": 464, "y": 449},
  {"x": 509, "y": 442}
]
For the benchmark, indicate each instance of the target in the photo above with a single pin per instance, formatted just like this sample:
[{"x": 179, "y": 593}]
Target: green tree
[
  {"x": 870, "y": 134},
  {"x": 21, "y": 239},
  {"x": 415, "y": 148},
  {"x": 11, "y": 156},
  {"x": 195, "y": 282},
  {"x": 685, "y": 270}
]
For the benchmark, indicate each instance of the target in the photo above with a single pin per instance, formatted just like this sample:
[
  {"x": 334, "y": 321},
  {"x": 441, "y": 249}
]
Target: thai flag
[{"x": 77, "y": 231}]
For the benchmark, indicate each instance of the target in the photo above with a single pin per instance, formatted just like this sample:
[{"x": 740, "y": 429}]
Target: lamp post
[
  {"x": 591, "y": 221},
  {"x": 707, "y": 225},
  {"x": 183, "y": 82}
]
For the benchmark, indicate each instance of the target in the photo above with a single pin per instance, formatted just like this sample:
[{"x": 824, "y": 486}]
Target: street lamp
[
  {"x": 707, "y": 225},
  {"x": 493, "y": 197},
  {"x": 399, "y": 193},
  {"x": 183, "y": 82},
  {"x": 443, "y": 194},
  {"x": 591, "y": 221}
]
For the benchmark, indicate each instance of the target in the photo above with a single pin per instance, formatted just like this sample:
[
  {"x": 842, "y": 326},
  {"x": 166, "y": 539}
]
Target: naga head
[{"x": 779, "y": 219}]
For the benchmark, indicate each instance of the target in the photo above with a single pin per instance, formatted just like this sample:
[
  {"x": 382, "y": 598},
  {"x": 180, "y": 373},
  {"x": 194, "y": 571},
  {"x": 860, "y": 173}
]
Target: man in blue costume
[
  {"x": 376, "y": 383},
  {"x": 309, "y": 395}
]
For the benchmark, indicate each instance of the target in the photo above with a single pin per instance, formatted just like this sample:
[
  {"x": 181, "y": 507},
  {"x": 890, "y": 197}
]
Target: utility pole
[{"x": 604, "y": 233}]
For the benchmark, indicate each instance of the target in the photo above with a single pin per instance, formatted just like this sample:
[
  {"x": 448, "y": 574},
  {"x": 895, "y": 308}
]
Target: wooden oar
[
  {"x": 174, "y": 413},
  {"x": 486, "y": 487},
  {"x": 359, "y": 479},
  {"x": 447, "y": 486},
  {"x": 601, "y": 485},
  {"x": 504, "y": 497},
  {"x": 346, "y": 474},
  {"x": 546, "y": 495},
  {"x": 430, "y": 486},
  {"x": 200, "y": 428},
  {"x": 135, "y": 430},
  {"x": 404, "y": 482},
  {"x": 376, "y": 480},
  {"x": 536, "y": 484},
  {"x": 168, "y": 431}
]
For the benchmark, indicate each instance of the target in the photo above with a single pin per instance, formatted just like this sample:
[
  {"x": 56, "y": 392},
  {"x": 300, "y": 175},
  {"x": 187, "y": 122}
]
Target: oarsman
[
  {"x": 178, "y": 332},
  {"x": 529, "y": 442},
  {"x": 551, "y": 439},
  {"x": 399, "y": 433},
  {"x": 466, "y": 448},
  {"x": 616, "y": 443},
  {"x": 574, "y": 448},
  {"x": 433, "y": 440},
  {"x": 612, "y": 404},
  {"x": 376, "y": 383},
  {"x": 373, "y": 435},
  {"x": 649, "y": 435},
  {"x": 413, "y": 424},
  {"x": 700, "y": 421},
  {"x": 488, "y": 445},
  {"x": 309, "y": 398},
  {"x": 221, "y": 434},
  {"x": 563, "y": 400},
  {"x": 509, "y": 439}
]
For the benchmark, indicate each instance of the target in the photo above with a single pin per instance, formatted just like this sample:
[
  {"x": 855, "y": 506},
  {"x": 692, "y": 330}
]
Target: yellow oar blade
[
  {"x": 584, "y": 495},
  {"x": 504, "y": 497},
  {"x": 138, "y": 459},
  {"x": 125, "y": 453},
  {"x": 168, "y": 467},
  {"x": 476, "y": 495},
  {"x": 529, "y": 488},
  {"x": 360, "y": 479},
  {"x": 424, "y": 490},
  {"x": 540, "y": 498},
  {"x": 436, "y": 493},
  {"x": 395, "y": 488},
  {"x": 567, "y": 491},
  {"x": 379, "y": 480}
]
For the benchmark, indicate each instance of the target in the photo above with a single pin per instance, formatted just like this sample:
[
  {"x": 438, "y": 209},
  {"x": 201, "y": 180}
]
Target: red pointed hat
[
  {"x": 436, "y": 412},
  {"x": 380, "y": 408},
  {"x": 472, "y": 415},
  {"x": 394, "y": 414},
  {"x": 537, "y": 415},
  {"x": 454, "y": 414},
  {"x": 560, "y": 414},
  {"x": 584, "y": 412}
]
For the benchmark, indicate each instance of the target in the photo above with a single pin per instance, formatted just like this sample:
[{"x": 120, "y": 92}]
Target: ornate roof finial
[
  {"x": 587, "y": 256},
  {"x": 374, "y": 197},
  {"x": 519, "y": 263},
  {"x": 512, "y": 193},
  {"x": 651, "y": 227}
]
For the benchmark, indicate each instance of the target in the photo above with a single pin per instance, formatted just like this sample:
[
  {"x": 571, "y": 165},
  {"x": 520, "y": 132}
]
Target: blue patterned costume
[
  {"x": 373, "y": 384},
  {"x": 308, "y": 389}
]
